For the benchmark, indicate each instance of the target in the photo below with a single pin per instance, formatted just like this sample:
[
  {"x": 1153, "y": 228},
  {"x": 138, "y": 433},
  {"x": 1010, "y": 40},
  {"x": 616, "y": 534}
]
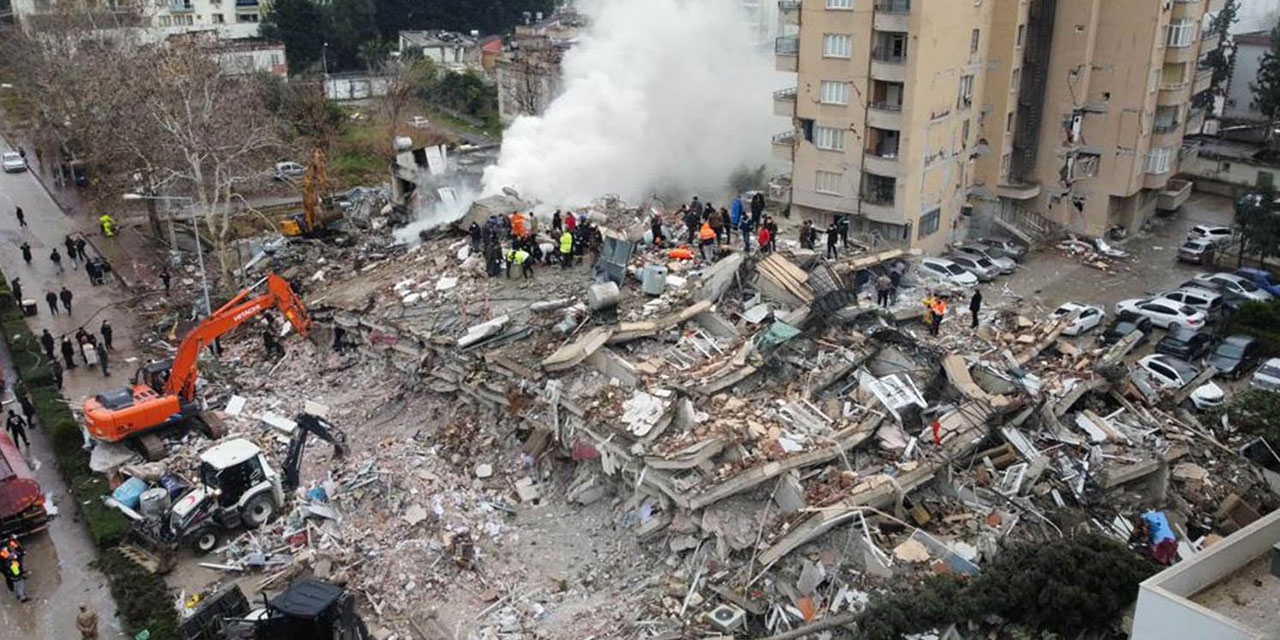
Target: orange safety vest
[
  {"x": 680, "y": 253},
  {"x": 707, "y": 233},
  {"x": 517, "y": 224}
]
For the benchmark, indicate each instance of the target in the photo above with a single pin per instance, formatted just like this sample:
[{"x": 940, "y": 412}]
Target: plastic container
[
  {"x": 129, "y": 492},
  {"x": 153, "y": 502},
  {"x": 655, "y": 279}
]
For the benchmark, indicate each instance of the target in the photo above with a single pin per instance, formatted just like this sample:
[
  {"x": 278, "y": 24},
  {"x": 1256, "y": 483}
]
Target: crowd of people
[{"x": 516, "y": 241}]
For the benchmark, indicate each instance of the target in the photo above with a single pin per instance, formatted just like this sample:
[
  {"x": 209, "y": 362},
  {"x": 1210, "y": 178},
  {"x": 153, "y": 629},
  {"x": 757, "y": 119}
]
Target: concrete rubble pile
[{"x": 749, "y": 445}]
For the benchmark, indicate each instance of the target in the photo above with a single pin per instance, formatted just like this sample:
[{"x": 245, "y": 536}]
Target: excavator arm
[
  {"x": 308, "y": 424},
  {"x": 182, "y": 376}
]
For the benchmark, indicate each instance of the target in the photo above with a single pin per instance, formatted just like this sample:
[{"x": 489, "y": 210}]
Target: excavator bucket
[{"x": 146, "y": 548}]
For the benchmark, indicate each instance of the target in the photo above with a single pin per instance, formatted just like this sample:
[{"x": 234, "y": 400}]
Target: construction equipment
[
  {"x": 305, "y": 610},
  {"x": 164, "y": 392},
  {"x": 21, "y": 499},
  {"x": 318, "y": 207},
  {"x": 237, "y": 487}
]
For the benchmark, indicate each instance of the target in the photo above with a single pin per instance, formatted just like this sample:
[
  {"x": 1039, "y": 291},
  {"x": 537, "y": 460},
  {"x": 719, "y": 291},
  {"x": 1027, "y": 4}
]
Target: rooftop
[
  {"x": 436, "y": 37},
  {"x": 1256, "y": 38}
]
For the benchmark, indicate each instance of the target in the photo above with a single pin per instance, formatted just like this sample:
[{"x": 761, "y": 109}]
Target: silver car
[
  {"x": 13, "y": 162},
  {"x": 980, "y": 267},
  {"x": 1003, "y": 263},
  {"x": 1232, "y": 286}
]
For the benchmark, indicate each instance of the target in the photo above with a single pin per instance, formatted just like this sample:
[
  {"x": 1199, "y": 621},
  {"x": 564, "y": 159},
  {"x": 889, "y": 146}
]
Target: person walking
[
  {"x": 773, "y": 232},
  {"x": 716, "y": 221},
  {"x": 87, "y": 623},
  {"x": 57, "y": 259},
  {"x": 843, "y": 222},
  {"x": 757, "y": 209},
  {"x": 13, "y": 573},
  {"x": 744, "y": 226},
  {"x": 22, "y": 218},
  {"x": 107, "y": 224},
  {"x": 707, "y": 240},
  {"x": 55, "y": 370},
  {"x": 66, "y": 296},
  {"x": 102, "y": 357},
  {"x": 765, "y": 239},
  {"x": 691, "y": 221},
  {"x": 28, "y": 409},
  {"x": 26, "y": 253},
  {"x": 106, "y": 332},
  {"x": 46, "y": 341},
  {"x": 68, "y": 352},
  {"x": 566, "y": 247},
  {"x": 939, "y": 312},
  {"x": 71, "y": 250},
  {"x": 895, "y": 276},
  {"x": 15, "y": 288},
  {"x": 80, "y": 244},
  {"x": 975, "y": 306},
  {"x": 735, "y": 216},
  {"x": 17, "y": 428},
  {"x": 833, "y": 235},
  {"x": 166, "y": 278},
  {"x": 52, "y": 299},
  {"x": 883, "y": 287}
]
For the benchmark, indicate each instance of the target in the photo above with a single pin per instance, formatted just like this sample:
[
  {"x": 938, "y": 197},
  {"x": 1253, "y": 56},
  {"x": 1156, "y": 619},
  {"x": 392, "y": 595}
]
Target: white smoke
[{"x": 658, "y": 94}]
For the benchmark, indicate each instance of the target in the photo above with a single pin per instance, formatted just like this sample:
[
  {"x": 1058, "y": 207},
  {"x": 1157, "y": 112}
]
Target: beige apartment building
[{"x": 921, "y": 118}]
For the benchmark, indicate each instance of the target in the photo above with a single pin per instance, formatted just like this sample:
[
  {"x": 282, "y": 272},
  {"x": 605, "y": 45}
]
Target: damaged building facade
[{"x": 1038, "y": 114}]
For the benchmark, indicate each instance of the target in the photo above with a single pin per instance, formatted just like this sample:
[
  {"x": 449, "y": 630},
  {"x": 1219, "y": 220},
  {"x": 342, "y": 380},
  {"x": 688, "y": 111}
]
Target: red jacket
[{"x": 765, "y": 236}]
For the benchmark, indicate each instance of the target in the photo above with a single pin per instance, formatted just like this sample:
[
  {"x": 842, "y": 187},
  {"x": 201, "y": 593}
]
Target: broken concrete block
[
  {"x": 603, "y": 295},
  {"x": 414, "y": 514},
  {"x": 911, "y": 551},
  {"x": 528, "y": 490},
  {"x": 235, "y": 405},
  {"x": 790, "y": 494},
  {"x": 315, "y": 408},
  {"x": 484, "y": 471},
  {"x": 283, "y": 425},
  {"x": 480, "y": 332},
  {"x": 811, "y": 576}
]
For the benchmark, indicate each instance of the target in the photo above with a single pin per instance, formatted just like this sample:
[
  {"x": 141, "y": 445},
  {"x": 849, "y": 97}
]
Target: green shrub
[
  {"x": 141, "y": 598},
  {"x": 1262, "y": 321}
]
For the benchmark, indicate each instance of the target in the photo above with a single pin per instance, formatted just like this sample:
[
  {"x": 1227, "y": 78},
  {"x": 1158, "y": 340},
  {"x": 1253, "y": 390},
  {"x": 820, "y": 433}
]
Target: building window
[
  {"x": 929, "y": 223},
  {"x": 164, "y": 20},
  {"x": 1181, "y": 32},
  {"x": 1005, "y": 160},
  {"x": 184, "y": 21},
  {"x": 1015, "y": 81},
  {"x": 839, "y": 4},
  {"x": 827, "y": 182},
  {"x": 834, "y": 92},
  {"x": 837, "y": 45},
  {"x": 1022, "y": 33},
  {"x": 973, "y": 41},
  {"x": 828, "y": 139},
  {"x": 964, "y": 134},
  {"x": 247, "y": 17},
  {"x": 1008, "y": 123},
  {"x": 218, "y": 18},
  {"x": 965, "y": 99},
  {"x": 1158, "y": 160}
]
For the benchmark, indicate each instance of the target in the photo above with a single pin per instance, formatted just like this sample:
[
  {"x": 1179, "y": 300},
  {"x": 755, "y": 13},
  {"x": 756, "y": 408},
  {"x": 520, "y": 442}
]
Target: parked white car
[
  {"x": 13, "y": 162},
  {"x": 996, "y": 255},
  {"x": 1216, "y": 234},
  {"x": 1267, "y": 377},
  {"x": 1171, "y": 373},
  {"x": 1232, "y": 286},
  {"x": 1163, "y": 312},
  {"x": 1090, "y": 317},
  {"x": 1209, "y": 302},
  {"x": 286, "y": 170},
  {"x": 943, "y": 270},
  {"x": 981, "y": 267}
]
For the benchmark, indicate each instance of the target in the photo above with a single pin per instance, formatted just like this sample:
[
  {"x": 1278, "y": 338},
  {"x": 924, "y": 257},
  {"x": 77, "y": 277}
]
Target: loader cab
[
  {"x": 236, "y": 471},
  {"x": 154, "y": 374},
  {"x": 311, "y": 610}
]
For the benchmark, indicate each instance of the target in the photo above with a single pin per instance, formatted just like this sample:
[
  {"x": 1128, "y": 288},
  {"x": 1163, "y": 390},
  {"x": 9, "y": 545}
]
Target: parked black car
[
  {"x": 1184, "y": 343},
  {"x": 1123, "y": 325},
  {"x": 1235, "y": 355}
]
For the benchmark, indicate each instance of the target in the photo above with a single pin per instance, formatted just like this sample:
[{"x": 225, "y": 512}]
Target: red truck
[{"x": 21, "y": 500}]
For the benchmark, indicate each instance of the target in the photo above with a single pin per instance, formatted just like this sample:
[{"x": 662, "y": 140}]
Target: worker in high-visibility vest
[
  {"x": 13, "y": 574},
  {"x": 108, "y": 225},
  {"x": 707, "y": 238},
  {"x": 520, "y": 257},
  {"x": 517, "y": 225},
  {"x": 566, "y": 248}
]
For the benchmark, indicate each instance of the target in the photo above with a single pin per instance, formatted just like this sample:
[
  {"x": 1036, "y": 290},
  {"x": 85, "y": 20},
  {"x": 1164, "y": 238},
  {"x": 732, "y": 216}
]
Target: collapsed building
[{"x": 743, "y": 445}]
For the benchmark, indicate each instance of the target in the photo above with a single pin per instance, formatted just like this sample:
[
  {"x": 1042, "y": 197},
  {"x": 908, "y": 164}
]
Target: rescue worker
[
  {"x": 735, "y": 217},
  {"x": 519, "y": 257},
  {"x": 765, "y": 239},
  {"x": 556, "y": 226},
  {"x": 517, "y": 224},
  {"x": 928, "y": 313},
  {"x": 655, "y": 227},
  {"x": 13, "y": 572},
  {"x": 108, "y": 225},
  {"x": 106, "y": 332},
  {"x": 939, "y": 311},
  {"x": 833, "y": 235},
  {"x": 102, "y": 357},
  {"x": 17, "y": 428},
  {"x": 474, "y": 231},
  {"x": 566, "y": 246},
  {"x": 975, "y": 306},
  {"x": 46, "y": 341},
  {"x": 884, "y": 286},
  {"x": 87, "y": 623},
  {"x": 4, "y": 565},
  {"x": 68, "y": 352},
  {"x": 272, "y": 343},
  {"x": 707, "y": 239},
  {"x": 717, "y": 222}
]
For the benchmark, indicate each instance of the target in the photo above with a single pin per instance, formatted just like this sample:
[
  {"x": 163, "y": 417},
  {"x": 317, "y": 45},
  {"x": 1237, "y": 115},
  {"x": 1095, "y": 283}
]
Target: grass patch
[
  {"x": 141, "y": 598},
  {"x": 492, "y": 127}
]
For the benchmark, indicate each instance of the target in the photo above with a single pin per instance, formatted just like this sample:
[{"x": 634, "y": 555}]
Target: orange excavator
[
  {"x": 318, "y": 208},
  {"x": 164, "y": 392}
]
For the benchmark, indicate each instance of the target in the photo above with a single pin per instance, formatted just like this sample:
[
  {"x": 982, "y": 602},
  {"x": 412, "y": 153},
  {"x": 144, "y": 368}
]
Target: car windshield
[
  {"x": 1125, "y": 327},
  {"x": 995, "y": 253},
  {"x": 984, "y": 263},
  {"x": 8, "y": 156},
  {"x": 1185, "y": 371},
  {"x": 1185, "y": 310},
  {"x": 1229, "y": 350},
  {"x": 1248, "y": 285},
  {"x": 1269, "y": 371},
  {"x": 955, "y": 270}
]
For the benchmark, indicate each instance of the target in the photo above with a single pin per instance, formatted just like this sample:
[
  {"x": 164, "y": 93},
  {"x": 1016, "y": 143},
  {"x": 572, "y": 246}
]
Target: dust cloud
[{"x": 668, "y": 95}]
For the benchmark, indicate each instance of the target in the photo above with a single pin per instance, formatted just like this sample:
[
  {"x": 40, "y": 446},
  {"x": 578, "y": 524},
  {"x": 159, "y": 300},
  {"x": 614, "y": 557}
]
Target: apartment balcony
[
  {"x": 784, "y": 145},
  {"x": 888, "y": 67},
  {"x": 1202, "y": 81},
  {"x": 883, "y": 115},
  {"x": 1018, "y": 190},
  {"x": 1173, "y": 94},
  {"x": 1195, "y": 121},
  {"x": 789, "y": 11},
  {"x": 784, "y": 102},
  {"x": 893, "y": 15},
  {"x": 1209, "y": 41},
  {"x": 883, "y": 163},
  {"x": 247, "y": 4},
  {"x": 786, "y": 50},
  {"x": 1174, "y": 195},
  {"x": 1166, "y": 135},
  {"x": 1187, "y": 53},
  {"x": 1156, "y": 180},
  {"x": 1186, "y": 9},
  {"x": 181, "y": 7}
]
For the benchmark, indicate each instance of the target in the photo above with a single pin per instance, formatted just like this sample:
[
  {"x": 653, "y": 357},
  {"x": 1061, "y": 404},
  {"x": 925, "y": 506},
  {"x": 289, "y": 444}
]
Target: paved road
[{"x": 59, "y": 561}]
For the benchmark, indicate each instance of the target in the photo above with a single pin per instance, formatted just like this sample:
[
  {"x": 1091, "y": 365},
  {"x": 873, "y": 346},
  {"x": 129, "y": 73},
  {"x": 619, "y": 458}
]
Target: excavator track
[{"x": 152, "y": 447}]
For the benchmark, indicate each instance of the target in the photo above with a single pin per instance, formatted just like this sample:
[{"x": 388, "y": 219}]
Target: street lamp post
[{"x": 195, "y": 228}]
